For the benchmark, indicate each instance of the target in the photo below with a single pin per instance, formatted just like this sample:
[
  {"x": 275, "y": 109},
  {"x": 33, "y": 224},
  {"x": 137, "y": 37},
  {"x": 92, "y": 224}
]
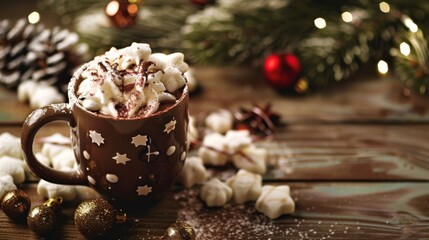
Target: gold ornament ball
[
  {"x": 16, "y": 204},
  {"x": 94, "y": 218},
  {"x": 41, "y": 219},
  {"x": 179, "y": 231}
]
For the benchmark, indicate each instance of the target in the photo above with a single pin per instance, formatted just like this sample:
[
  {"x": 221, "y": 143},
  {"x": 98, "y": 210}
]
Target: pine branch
[
  {"x": 335, "y": 52},
  {"x": 243, "y": 34},
  {"x": 413, "y": 68},
  {"x": 157, "y": 25},
  {"x": 70, "y": 9}
]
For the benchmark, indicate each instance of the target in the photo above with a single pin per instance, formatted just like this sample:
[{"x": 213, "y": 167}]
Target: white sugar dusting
[
  {"x": 229, "y": 222},
  {"x": 243, "y": 222}
]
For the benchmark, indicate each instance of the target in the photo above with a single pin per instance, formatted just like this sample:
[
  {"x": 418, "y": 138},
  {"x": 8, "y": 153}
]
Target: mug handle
[{"x": 36, "y": 120}]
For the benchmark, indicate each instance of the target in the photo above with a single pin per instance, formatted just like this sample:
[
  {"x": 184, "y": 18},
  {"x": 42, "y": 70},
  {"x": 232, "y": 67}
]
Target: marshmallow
[
  {"x": 50, "y": 150},
  {"x": 56, "y": 138},
  {"x": 13, "y": 167},
  {"x": 245, "y": 185},
  {"x": 29, "y": 175},
  {"x": 215, "y": 193},
  {"x": 117, "y": 78},
  {"x": 38, "y": 94},
  {"x": 237, "y": 140},
  {"x": 255, "y": 160},
  {"x": 193, "y": 132},
  {"x": 275, "y": 201},
  {"x": 131, "y": 55},
  {"x": 220, "y": 121},
  {"x": 162, "y": 61},
  {"x": 6, "y": 185},
  {"x": 64, "y": 159},
  {"x": 67, "y": 192},
  {"x": 212, "y": 157},
  {"x": 192, "y": 81},
  {"x": 10, "y": 145},
  {"x": 193, "y": 172},
  {"x": 172, "y": 79},
  {"x": 52, "y": 190}
]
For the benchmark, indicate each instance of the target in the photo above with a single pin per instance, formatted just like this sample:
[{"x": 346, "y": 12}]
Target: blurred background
[{"x": 299, "y": 47}]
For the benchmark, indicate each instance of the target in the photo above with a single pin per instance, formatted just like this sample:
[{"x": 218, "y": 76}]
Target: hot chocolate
[
  {"x": 131, "y": 82},
  {"x": 128, "y": 114}
]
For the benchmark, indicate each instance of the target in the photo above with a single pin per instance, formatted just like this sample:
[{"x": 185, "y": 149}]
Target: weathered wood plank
[
  {"x": 350, "y": 152},
  {"x": 363, "y": 99},
  {"x": 334, "y": 152},
  {"x": 323, "y": 210}
]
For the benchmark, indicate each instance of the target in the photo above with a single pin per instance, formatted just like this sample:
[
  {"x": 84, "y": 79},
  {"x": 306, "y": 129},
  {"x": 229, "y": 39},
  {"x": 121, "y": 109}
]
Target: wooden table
[{"x": 356, "y": 157}]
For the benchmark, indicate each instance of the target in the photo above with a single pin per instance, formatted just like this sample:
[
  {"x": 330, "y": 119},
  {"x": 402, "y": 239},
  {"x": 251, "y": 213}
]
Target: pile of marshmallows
[
  {"x": 231, "y": 146},
  {"x": 14, "y": 171},
  {"x": 221, "y": 146}
]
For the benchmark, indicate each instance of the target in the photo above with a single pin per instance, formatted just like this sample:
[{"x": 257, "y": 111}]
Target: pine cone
[
  {"x": 41, "y": 55},
  {"x": 14, "y": 40}
]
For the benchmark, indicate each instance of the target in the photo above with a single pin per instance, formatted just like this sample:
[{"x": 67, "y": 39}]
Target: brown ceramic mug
[{"x": 131, "y": 161}]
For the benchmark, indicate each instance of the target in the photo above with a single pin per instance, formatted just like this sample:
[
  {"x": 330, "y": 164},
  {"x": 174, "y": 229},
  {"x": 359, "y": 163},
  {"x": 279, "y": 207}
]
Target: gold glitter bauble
[
  {"x": 16, "y": 204},
  {"x": 94, "y": 218},
  {"x": 179, "y": 231},
  {"x": 41, "y": 219}
]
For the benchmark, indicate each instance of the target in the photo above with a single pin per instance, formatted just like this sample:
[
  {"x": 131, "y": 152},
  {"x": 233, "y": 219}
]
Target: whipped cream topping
[{"x": 131, "y": 82}]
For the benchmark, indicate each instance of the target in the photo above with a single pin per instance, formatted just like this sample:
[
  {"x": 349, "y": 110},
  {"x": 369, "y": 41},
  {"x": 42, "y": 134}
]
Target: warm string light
[
  {"x": 347, "y": 17},
  {"x": 384, "y": 7},
  {"x": 405, "y": 49},
  {"x": 320, "y": 23},
  {"x": 382, "y": 67},
  {"x": 112, "y": 8},
  {"x": 409, "y": 23},
  {"x": 33, "y": 17}
]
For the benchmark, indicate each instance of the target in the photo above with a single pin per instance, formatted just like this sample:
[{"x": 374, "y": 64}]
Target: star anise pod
[{"x": 259, "y": 120}]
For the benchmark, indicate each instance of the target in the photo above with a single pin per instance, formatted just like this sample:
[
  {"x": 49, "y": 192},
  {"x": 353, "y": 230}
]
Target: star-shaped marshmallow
[
  {"x": 13, "y": 167},
  {"x": 211, "y": 154},
  {"x": 143, "y": 190},
  {"x": 6, "y": 184},
  {"x": 96, "y": 137},
  {"x": 10, "y": 145},
  {"x": 275, "y": 201},
  {"x": 52, "y": 190},
  {"x": 121, "y": 158},
  {"x": 252, "y": 159},
  {"x": 220, "y": 121},
  {"x": 238, "y": 139},
  {"x": 193, "y": 172},
  {"x": 245, "y": 185},
  {"x": 215, "y": 193},
  {"x": 170, "y": 126},
  {"x": 139, "y": 140}
]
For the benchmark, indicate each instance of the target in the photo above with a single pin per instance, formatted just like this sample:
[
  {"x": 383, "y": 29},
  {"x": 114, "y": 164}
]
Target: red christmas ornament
[
  {"x": 282, "y": 71},
  {"x": 122, "y": 13},
  {"x": 202, "y": 3}
]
